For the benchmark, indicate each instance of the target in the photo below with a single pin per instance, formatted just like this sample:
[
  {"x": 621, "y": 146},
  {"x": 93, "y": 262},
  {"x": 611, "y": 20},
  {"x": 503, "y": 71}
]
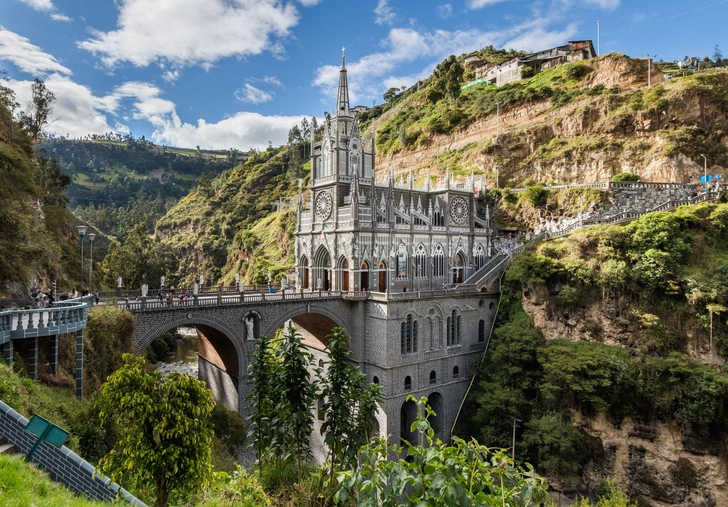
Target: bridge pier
[
  {"x": 33, "y": 358},
  {"x": 8, "y": 352},
  {"x": 79, "y": 364},
  {"x": 54, "y": 354}
]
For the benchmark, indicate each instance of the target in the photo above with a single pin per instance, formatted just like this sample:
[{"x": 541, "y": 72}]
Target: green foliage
[
  {"x": 463, "y": 473},
  {"x": 610, "y": 497},
  {"x": 561, "y": 449},
  {"x": 238, "y": 489},
  {"x": 140, "y": 260},
  {"x": 294, "y": 418},
  {"x": 343, "y": 386},
  {"x": 536, "y": 195},
  {"x": 165, "y": 433},
  {"x": 527, "y": 72},
  {"x": 108, "y": 336},
  {"x": 625, "y": 176},
  {"x": 529, "y": 268},
  {"x": 448, "y": 77},
  {"x": 230, "y": 435},
  {"x": 264, "y": 393}
]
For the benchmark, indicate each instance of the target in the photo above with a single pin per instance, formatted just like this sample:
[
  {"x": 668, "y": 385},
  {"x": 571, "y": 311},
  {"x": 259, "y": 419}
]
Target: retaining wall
[{"x": 62, "y": 464}]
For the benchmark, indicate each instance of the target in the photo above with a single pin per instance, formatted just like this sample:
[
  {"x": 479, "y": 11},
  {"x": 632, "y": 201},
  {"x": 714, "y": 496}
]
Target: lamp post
[
  {"x": 649, "y": 70},
  {"x": 705, "y": 173},
  {"x": 82, "y": 233},
  {"x": 91, "y": 237}
]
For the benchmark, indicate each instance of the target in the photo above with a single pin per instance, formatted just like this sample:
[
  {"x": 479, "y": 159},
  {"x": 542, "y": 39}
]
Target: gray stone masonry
[{"x": 62, "y": 464}]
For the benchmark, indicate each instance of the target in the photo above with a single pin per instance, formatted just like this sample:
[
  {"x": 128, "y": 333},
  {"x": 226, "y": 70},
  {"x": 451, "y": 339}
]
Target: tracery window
[
  {"x": 408, "y": 335},
  {"x": 453, "y": 329},
  {"x": 420, "y": 262},
  {"x": 438, "y": 267}
]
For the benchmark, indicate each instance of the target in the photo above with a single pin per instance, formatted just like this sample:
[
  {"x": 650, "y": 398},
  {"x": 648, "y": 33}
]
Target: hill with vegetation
[
  {"x": 611, "y": 347},
  {"x": 581, "y": 122}
]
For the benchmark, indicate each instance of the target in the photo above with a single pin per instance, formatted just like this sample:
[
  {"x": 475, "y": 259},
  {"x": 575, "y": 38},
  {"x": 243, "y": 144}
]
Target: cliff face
[{"x": 565, "y": 129}]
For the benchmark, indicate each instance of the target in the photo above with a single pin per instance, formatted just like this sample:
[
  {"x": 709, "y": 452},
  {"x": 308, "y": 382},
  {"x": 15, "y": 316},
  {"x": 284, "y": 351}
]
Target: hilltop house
[
  {"x": 512, "y": 70},
  {"x": 690, "y": 62}
]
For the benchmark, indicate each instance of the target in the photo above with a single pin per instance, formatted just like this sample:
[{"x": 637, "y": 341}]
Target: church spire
[{"x": 342, "y": 101}]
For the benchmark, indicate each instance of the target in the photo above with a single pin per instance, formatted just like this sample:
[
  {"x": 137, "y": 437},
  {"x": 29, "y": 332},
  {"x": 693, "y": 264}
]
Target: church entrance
[
  {"x": 364, "y": 284},
  {"x": 344, "y": 275},
  {"x": 322, "y": 269},
  {"x": 382, "y": 276},
  {"x": 458, "y": 269}
]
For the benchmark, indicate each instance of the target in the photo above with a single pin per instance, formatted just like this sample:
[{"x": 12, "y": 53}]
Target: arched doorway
[
  {"x": 437, "y": 420},
  {"x": 458, "y": 268},
  {"x": 382, "y": 277},
  {"x": 322, "y": 269},
  {"x": 364, "y": 276},
  {"x": 304, "y": 273},
  {"x": 343, "y": 274},
  {"x": 407, "y": 416}
]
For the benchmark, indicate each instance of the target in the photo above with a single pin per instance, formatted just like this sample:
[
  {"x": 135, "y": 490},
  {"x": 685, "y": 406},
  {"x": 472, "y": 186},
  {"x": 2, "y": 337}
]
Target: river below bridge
[{"x": 183, "y": 358}]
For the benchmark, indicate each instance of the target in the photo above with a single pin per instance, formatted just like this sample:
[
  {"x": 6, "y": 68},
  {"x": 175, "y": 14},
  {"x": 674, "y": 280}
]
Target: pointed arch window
[
  {"x": 481, "y": 331},
  {"x": 479, "y": 257},
  {"x": 420, "y": 262},
  {"x": 453, "y": 328},
  {"x": 438, "y": 262}
]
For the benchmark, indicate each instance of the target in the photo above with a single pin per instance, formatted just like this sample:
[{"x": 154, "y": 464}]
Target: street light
[
  {"x": 705, "y": 173},
  {"x": 82, "y": 233},
  {"x": 91, "y": 237}
]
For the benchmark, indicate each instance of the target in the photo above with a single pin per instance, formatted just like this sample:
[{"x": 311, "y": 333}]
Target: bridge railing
[{"x": 65, "y": 317}]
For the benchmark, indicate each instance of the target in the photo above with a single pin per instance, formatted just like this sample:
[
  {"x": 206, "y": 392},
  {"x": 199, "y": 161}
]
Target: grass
[{"x": 22, "y": 485}]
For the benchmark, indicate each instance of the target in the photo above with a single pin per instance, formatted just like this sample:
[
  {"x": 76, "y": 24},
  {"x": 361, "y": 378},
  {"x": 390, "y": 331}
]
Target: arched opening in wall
[
  {"x": 364, "y": 277},
  {"x": 382, "y": 286},
  {"x": 304, "y": 273},
  {"x": 479, "y": 257},
  {"x": 458, "y": 268},
  {"x": 375, "y": 380},
  {"x": 322, "y": 269},
  {"x": 204, "y": 352},
  {"x": 343, "y": 274},
  {"x": 314, "y": 329},
  {"x": 407, "y": 416},
  {"x": 436, "y": 421}
]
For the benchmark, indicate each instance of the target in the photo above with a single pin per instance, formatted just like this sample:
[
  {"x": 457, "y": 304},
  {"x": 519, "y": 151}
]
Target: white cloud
[
  {"x": 250, "y": 93},
  {"x": 40, "y": 5},
  {"x": 444, "y": 11},
  {"x": 609, "y": 5},
  {"x": 479, "y": 4},
  {"x": 243, "y": 130},
  {"x": 171, "y": 75},
  {"x": 28, "y": 57},
  {"x": 197, "y": 32},
  {"x": 385, "y": 15},
  {"x": 61, "y": 17}
]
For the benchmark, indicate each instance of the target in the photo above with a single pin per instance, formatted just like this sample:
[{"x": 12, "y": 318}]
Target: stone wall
[
  {"x": 62, "y": 464},
  {"x": 224, "y": 386},
  {"x": 643, "y": 196}
]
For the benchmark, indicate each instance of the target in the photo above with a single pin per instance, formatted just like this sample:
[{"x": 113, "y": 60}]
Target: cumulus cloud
[
  {"x": 61, "y": 17},
  {"x": 444, "y": 11},
  {"x": 384, "y": 13},
  {"x": 243, "y": 130},
  {"x": 27, "y": 56},
  {"x": 202, "y": 32},
  {"x": 40, "y": 5},
  {"x": 250, "y": 93}
]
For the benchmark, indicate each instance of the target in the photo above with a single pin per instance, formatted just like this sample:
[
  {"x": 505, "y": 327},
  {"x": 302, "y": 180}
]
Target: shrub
[
  {"x": 625, "y": 176},
  {"x": 527, "y": 72},
  {"x": 536, "y": 195},
  {"x": 577, "y": 71}
]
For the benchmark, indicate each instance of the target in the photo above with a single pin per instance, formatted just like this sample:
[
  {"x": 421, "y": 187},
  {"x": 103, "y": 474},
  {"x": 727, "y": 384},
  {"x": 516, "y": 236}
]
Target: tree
[
  {"x": 295, "y": 418},
  {"x": 345, "y": 429},
  {"x": 262, "y": 377},
  {"x": 448, "y": 77},
  {"x": 463, "y": 473},
  {"x": 39, "y": 109},
  {"x": 391, "y": 94},
  {"x": 165, "y": 433},
  {"x": 717, "y": 55}
]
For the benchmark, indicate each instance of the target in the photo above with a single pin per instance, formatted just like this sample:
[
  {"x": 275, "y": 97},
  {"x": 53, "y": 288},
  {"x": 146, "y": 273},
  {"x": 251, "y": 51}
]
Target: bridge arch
[{"x": 322, "y": 327}]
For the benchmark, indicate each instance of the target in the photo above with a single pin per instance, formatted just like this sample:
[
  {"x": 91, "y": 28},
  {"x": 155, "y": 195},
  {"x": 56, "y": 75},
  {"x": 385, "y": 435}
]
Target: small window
[
  {"x": 433, "y": 377},
  {"x": 481, "y": 331},
  {"x": 321, "y": 363},
  {"x": 491, "y": 306},
  {"x": 481, "y": 304},
  {"x": 455, "y": 372},
  {"x": 375, "y": 380},
  {"x": 408, "y": 383}
]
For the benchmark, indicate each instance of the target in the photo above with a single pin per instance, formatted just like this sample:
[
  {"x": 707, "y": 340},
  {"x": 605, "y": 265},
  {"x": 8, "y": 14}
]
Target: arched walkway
[
  {"x": 407, "y": 415},
  {"x": 436, "y": 421}
]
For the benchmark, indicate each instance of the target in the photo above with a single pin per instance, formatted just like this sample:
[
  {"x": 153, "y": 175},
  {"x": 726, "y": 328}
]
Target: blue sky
[{"x": 239, "y": 73}]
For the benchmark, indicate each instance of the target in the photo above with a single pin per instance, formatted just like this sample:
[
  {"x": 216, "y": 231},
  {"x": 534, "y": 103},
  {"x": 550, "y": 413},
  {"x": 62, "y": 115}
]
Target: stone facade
[{"x": 646, "y": 195}]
